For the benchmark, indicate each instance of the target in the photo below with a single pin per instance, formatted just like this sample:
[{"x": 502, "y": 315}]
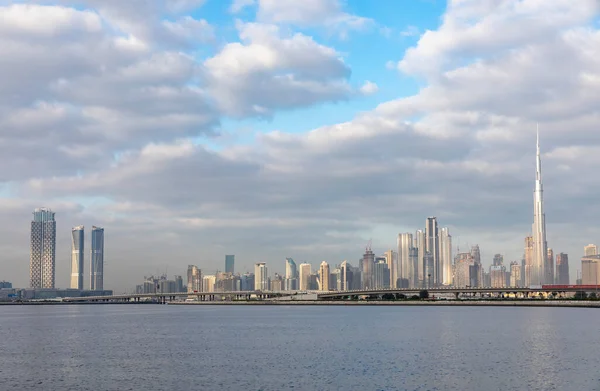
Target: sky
[{"x": 191, "y": 129}]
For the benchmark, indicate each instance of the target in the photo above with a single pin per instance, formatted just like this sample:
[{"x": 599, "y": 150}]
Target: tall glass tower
[
  {"x": 229, "y": 263},
  {"x": 97, "y": 259},
  {"x": 42, "y": 262},
  {"x": 77, "y": 240}
]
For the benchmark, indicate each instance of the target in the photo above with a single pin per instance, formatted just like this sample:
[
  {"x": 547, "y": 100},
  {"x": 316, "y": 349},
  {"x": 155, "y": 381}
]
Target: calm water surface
[{"x": 153, "y": 347}]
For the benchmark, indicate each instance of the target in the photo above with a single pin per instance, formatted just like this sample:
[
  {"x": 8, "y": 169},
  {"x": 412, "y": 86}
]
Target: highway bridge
[
  {"x": 166, "y": 297},
  {"x": 466, "y": 291}
]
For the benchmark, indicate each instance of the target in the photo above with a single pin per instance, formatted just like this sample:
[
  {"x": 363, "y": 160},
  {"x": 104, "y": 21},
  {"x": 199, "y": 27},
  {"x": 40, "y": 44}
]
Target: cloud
[
  {"x": 321, "y": 13},
  {"x": 238, "y": 5},
  {"x": 369, "y": 88},
  {"x": 286, "y": 71}
]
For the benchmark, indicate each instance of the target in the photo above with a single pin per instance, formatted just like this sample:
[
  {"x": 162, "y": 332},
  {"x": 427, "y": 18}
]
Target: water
[{"x": 153, "y": 347}]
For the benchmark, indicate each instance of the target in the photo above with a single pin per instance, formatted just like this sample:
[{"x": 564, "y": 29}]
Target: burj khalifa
[{"x": 540, "y": 246}]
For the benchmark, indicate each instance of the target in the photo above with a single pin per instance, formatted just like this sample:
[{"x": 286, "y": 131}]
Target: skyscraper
[
  {"x": 345, "y": 276},
  {"x": 305, "y": 272},
  {"x": 562, "y": 269},
  {"x": 405, "y": 265},
  {"x": 515, "y": 274},
  {"x": 324, "y": 276},
  {"x": 367, "y": 271},
  {"x": 432, "y": 245},
  {"x": 97, "y": 259},
  {"x": 391, "y": 258},
  {"x": 590, "y": 249},
  {"x": 446, "y": 256},
  {"x": 229, "y": 263},
  {"x": 77, "y": 251},
  {"x": 194, "y": 279},
  {"x": 528, "y": 261},
  {"x": 463, "y": 263},
  {"x": 540, "y": 247},
  {"x": 261, "y": 278},
  {"x": 549, "y": 267},
  {"x": 291, "y": 275},
  {"x": 42, "y": 262},
  {"x": 419, "y": 244}
]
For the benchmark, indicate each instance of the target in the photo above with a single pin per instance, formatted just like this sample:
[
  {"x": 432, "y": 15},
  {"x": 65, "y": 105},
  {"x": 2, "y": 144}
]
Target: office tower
[
  {"x": 562, "y": 269},
  {"x": 304, "y": 274},
  {"x": 313, "y": 285},
  {"x": 229, "y": 264},
  {"x": 334, "y": 279},
  {"x": 540, "y": 246},
  {"x": 515, "y": 274},
  {"x": 413, "y": 259},
  {"x": 97, "y": 259},
  {"x": 77, "y": 251},
  {"x": 419, "y": 244},
  {"x": 446, "y": 256},
  {"x": 498, "y": 260},
  {"x": 261, "y": 278},
  {"x": 368, "y": 262},
  {"x": 462, "y": 270},
  {"x": 391, "y": 258},
  {"x": 208, "y": 283},
  {"x": 476, "y": 270},
  {"x": 497, "y": 276},
  {"x": 428, "y": 270},
  {"x": 291, "y": 275},
  {"x": 432, "y": 245},
  {"x": 324, "y": 276},
  {"x": 590, "y": 249},
  {"x": 345, "y": 279},
  {"x": 406, "y": 270},
  {"x": 381, "y": 274},
  {"x": 179, "y": 284},
  {"x": 549, "y": 267},
  {"x": 247, "y": 282},
  {"x": 590, "y": 270},
  {"x": 527, "y": 278},
  {"x": 194, "y": 279},
  {"x": 42, "y": 261}
]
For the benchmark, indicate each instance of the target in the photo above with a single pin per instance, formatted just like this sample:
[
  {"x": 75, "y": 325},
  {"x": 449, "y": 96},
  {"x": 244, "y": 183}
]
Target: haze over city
[{"x": 144, "y": 118}]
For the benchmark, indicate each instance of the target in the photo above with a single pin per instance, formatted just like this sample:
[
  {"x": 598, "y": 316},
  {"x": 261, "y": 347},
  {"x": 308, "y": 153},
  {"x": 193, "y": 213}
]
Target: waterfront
[{"x": 113, "y": 347}]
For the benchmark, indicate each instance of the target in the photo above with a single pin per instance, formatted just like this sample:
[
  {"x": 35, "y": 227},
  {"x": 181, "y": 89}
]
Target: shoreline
[{"x": 442, "y": 303}]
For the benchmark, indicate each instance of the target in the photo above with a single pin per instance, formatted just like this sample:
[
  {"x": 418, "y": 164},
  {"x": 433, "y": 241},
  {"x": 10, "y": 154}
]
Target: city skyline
[{"x": 164, "y": 133}]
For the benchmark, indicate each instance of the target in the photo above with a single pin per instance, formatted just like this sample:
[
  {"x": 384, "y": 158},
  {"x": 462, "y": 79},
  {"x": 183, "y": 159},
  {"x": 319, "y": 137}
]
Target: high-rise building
[
  {"x": 229, "y": 263},
  {"x": 419, "y": 244},
  {"x": 406, "y": 272},
  {"x": 42, "y": 262},
  {"x": 77, "y": 256},
  {"x": 432, "y": 245},
  {"x": 97, "y": 259},
  {"x": 367, "y": 271},
  {"x": 515, "y": 274},
  {"x": 527, "y": 278},
  {"x": 549, "y": 267},
  {"x": 381, "y": 274},
  {"x": 590, "y": 270},
  {"x": 261, "y": 277},
  {"x": 498, "y": 260},
  {"x": 304, "y": 276},
  {"x": 446, "y": 257},
  {"x": 208, "y": 283},
  {"x": 428, "y": 270},
  {"x": 476, "y": 270},
  {"x": 540, "y": 246},
  {"x": 562, "y": 269},
  {"x": 462, "y": 266},
  {"x": 590, "y": 249},
  {"x": 194, "y": 279},
  {"x": 497, "y": 276},
  {"x": 391, "y": 258},
  {"x": 291, "y": 275},
  {"x": 324, "y": 276},
  {"x": 345, "y": 276}
]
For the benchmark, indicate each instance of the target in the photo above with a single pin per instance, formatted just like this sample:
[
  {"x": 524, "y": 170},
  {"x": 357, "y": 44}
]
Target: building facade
[
  {"x": 324, "y": 277},
  {"x": 305, "y": 270},
  {"x": 446, "y": 256},
  {"x": 562, "y": 269},
  {"x": 42, "y": 262},
  {"x": 261, "y": 277},
  {"x": 432, "y": 246},
  {"x": 230, "y": 264},
  {"x": 77, "y": 257},
  {"x": 515, "y": 274},
  {"x": 590, "y": 249},
  {"x": 406, "y": 272},
  {"x": 537, "y": 273},
  {"x": 97, "y": 259},
  {"x": 590, "y": 270}
]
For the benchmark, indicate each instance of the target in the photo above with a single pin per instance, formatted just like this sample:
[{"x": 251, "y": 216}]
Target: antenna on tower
[{"x": 369, "y": 245}]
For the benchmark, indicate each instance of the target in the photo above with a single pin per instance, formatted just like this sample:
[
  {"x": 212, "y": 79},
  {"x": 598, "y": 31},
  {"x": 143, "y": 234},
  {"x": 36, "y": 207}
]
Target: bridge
[
  {"x": 166, "y": 297},
  {"x": 466, "y": 291}
]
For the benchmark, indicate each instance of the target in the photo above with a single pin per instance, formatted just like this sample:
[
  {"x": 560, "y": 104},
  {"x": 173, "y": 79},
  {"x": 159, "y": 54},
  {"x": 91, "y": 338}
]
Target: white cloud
[
  {"x": 369, "y": 88},
  {"x": 238, "y": 5},
  {"x": 268, "y": 71}
]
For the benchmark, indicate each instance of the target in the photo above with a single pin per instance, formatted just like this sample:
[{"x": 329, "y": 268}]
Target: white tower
[{"x": 540, "y": 247}]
